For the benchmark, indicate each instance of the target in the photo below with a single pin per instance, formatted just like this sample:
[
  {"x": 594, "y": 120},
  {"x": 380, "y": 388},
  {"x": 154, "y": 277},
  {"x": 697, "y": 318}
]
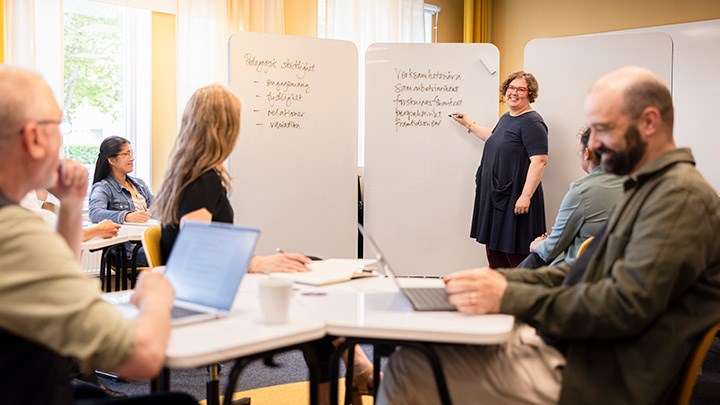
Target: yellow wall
[
  {"x": 164, "y": 112},
  {"x": 450, "y": 22},
  {"x": 515, "y": 22},
  {"x": 2, "y": 31},
  {"x": 301, "y": 17}
]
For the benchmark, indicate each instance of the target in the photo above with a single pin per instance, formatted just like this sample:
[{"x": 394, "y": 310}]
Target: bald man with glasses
[{"x": 51, "y": 314}]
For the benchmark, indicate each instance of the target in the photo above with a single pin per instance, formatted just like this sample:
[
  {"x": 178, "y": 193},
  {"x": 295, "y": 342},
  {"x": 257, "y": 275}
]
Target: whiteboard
[
  {"x": 696, "y": 91},
  {"x": 419, "y": 164},
  {"x": 294, "y": 169},
  {"x": 565, "y": 69}
]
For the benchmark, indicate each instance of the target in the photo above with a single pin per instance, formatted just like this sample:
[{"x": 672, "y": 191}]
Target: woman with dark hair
[
  {"x": 583, "y": 212},
  {"x": 509, "y": 204},
  {"x": 115, "y": 195}
]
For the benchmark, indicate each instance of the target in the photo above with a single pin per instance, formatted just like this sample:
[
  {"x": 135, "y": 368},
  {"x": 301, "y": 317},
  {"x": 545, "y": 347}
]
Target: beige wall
[
  {"x": 516, "y": 22},
  {"x": 164, "y": 113}
]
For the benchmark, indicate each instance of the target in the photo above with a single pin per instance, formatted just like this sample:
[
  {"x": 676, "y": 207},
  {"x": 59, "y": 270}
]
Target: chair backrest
[
  {"x": 691, "y": 369},
  {"x": 583, "y": 245},
  {"x": 151, "y": 244}
]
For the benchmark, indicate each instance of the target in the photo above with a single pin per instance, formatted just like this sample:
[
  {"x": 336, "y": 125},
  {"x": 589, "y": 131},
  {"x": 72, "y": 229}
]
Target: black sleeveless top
[{"x": 31, "y": 373}]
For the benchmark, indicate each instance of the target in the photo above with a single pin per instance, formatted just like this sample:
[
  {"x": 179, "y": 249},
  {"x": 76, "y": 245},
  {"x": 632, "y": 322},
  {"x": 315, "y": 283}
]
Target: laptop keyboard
[
  {"x": 429, "y": 299},
  {"x": 179, "y": 312}
]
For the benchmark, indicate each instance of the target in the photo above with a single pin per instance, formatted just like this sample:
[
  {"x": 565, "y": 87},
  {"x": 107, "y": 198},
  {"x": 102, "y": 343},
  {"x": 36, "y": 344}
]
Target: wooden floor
[{"x": 286, "y": 394}]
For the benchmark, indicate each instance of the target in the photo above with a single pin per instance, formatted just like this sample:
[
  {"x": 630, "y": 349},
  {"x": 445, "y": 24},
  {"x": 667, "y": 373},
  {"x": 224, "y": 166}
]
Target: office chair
[
  {"x": 693, "y": 367},
  {"x": 584, "y": 245}
]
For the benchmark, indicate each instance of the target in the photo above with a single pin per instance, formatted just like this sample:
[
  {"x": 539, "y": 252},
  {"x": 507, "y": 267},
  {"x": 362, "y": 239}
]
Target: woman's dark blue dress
[{"x": 499, "y": 183}]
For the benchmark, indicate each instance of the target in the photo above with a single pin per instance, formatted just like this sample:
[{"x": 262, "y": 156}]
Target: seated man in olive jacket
[{"x": 617, "y": 326}]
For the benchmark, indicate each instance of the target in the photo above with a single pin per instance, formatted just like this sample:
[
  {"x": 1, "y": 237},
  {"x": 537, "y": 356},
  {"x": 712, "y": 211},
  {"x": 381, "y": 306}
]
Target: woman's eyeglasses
[{"x": 518, "y": 89}]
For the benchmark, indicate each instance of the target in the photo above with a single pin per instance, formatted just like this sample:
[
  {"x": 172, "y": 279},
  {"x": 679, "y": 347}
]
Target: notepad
[{"x": 330, "y": 271}]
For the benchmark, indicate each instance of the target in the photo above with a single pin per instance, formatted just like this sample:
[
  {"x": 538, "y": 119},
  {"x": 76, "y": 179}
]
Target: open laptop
[
  {"x": 205, "y": 268},
  {"x": 421, "y": 298}
]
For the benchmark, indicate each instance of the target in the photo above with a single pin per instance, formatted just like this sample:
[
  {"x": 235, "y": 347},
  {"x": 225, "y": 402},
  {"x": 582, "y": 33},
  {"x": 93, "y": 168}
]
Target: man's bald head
[
  {"x": 25, "y": 97},
  {"x": 630, "y": 114},
  {"x": 639, "y": 88}
]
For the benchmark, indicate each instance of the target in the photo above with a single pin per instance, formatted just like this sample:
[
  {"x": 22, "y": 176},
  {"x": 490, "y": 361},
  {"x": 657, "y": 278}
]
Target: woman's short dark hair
[
  {"x": 110, "y": 147},
  {"x": 584, "y": 140},
  {"x": 532, "y": 84}
]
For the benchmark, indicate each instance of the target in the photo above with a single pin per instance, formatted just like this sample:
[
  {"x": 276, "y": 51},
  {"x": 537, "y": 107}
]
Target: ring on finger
[{"x": 473, "y": 297}]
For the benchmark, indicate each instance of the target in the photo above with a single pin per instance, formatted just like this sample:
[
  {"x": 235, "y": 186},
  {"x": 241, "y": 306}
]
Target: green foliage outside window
[
  {"x": 85, "y": 154},
  {"x": 92, "y": 72}
]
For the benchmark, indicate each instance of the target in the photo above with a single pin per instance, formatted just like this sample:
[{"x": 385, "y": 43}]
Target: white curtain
[
  {"x": 32, "y": 39},
  {"x": 365, "y": 22},
  {"x": 203, "y": 30}
]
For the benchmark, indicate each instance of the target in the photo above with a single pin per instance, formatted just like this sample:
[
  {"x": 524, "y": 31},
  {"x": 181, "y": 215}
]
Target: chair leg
[{"x": 213, "y": 385}]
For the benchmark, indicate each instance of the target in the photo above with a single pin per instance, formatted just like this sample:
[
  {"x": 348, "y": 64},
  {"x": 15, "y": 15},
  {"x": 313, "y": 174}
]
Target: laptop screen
[
  {"x": 385, "y": 268},
  {"x": 208, "y": 262}
]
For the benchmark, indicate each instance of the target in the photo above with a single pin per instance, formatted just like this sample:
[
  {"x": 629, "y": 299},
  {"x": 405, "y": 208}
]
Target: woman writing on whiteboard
[{"x": 509, "y": 205}]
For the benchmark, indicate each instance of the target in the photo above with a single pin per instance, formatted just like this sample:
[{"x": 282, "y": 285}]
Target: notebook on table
[
  {"x": 205, "y": 268},
  {"x": 330, "y": 271},
  {"x": 421, "y": 298}
]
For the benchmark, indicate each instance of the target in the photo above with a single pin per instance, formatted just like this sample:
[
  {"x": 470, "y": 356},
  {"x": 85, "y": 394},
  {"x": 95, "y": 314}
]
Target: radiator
[{"x": 90, "y": 262}]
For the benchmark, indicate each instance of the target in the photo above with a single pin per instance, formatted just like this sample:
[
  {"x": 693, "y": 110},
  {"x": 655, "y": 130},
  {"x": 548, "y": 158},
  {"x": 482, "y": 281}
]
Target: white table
[
  {"x": 243, "y": 337},
  {"x": 372, "y": 310},
  {"x": 240, "y": 334}
]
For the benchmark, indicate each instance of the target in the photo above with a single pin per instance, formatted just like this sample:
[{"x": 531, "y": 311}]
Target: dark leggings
[
  {"x": 323, "y": 350},
  {"x": 500, "y": 260}
]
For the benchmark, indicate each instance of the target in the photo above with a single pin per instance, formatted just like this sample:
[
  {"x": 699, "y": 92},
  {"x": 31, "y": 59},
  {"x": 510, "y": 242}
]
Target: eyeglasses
[
  {"x": 518, "y": 89},
  {"x": 64, "y": 127},
  {"x": 128, "y": 153}
]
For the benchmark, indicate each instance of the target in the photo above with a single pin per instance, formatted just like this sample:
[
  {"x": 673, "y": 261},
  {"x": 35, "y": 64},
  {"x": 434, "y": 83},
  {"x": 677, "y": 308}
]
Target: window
[
  {"x": 106, "y": 80},
  {"x": 431, "y": 13}
]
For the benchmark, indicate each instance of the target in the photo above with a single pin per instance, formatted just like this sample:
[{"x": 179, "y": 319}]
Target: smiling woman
[
  {"x": 509, "y": 203},
  {"x": 116, "y": 195}
]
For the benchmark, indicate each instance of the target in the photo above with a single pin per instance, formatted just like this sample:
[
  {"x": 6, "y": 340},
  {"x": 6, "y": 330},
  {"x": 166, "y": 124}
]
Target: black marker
[{"x": 460, "y": 116}]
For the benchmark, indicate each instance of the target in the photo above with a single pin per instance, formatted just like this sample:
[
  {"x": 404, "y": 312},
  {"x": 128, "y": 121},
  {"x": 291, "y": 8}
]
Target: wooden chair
[
  {"x": 584, "y": 245},
  {"x": 692, "y": 367},
  {"x": 151, "y": 245}
]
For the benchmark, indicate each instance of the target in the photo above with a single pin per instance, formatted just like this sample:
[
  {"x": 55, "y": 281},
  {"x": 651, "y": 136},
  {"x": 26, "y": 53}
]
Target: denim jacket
[{"x": 110, "y": 200}]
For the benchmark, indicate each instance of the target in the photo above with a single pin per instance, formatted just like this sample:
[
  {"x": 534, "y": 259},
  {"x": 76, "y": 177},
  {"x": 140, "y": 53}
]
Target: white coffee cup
[{"x": 275, "y": 296}]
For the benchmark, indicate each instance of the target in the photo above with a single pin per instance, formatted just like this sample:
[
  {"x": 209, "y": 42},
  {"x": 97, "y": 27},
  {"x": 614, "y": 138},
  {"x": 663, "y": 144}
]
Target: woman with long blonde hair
[
  {"x": 196, "y": 181},
  {"x": 196, "y": 186}
]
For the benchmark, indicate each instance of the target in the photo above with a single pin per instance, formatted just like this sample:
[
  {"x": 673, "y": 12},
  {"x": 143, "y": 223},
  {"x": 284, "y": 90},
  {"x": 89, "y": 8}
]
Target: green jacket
[{"x": 651, "y": 288}]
